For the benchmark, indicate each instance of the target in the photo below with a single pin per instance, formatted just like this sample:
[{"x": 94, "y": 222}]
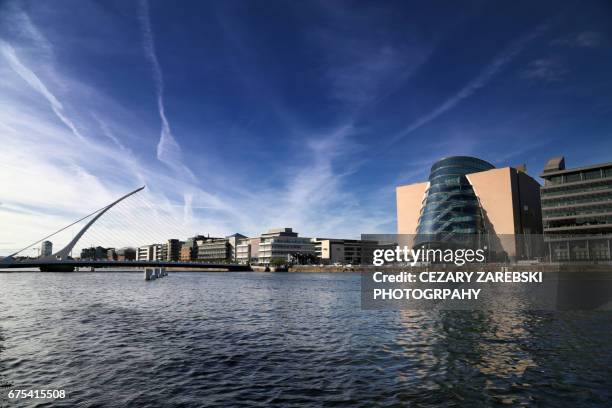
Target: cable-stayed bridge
[{"x": 62, "y": 261}]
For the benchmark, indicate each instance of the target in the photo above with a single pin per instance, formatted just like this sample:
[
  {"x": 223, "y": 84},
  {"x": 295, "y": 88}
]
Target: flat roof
[{"x": 575, "y": 169}]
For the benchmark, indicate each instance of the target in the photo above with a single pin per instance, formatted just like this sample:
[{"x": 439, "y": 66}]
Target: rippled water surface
[{"x": 285, "y": 339}]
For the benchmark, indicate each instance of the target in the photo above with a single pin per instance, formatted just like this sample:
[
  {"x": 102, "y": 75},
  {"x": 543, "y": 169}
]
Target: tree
[{"x": 278, "y": 261}]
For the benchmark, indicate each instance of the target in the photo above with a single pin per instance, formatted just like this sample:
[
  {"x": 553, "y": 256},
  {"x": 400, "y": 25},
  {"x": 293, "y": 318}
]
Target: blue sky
[{"x": 245, "y": 115}]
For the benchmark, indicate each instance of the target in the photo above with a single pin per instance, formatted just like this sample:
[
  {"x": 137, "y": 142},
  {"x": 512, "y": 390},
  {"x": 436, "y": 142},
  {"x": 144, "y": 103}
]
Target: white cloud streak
[
  {"x": 168, "y": 149},
  {"x": 482, "y": 79},
  {"x": 34, "y": 81}
]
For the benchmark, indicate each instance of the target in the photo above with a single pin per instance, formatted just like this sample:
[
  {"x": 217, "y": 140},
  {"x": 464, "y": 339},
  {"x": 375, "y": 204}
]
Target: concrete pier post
[{"x": 147, "y": 273}]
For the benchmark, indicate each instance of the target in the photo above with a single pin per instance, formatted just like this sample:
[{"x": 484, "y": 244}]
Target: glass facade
[{"x": 451, "y": 207}]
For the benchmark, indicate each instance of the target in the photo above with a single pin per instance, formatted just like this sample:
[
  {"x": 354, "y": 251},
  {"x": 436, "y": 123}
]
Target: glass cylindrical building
[{"x": 451, "y": 209}]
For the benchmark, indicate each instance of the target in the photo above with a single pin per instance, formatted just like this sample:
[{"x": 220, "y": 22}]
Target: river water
[{"x": 284, "y": 339}]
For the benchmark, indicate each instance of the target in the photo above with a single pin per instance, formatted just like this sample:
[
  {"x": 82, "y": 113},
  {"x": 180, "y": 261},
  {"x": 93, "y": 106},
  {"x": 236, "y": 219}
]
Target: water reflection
[{"x": 255, "y": 339}]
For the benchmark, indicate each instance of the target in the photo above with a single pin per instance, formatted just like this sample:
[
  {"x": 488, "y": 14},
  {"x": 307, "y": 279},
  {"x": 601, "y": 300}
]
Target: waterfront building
[
  {"x": 214, "y": 250},
  {"x": 46, "y": 248},
  {"x": 111, "y": 254},
  {"x": 187, "y": 252},
  {"x": 171, "y": 250},
  {"x": 331, "y": 251},
  {"x": 94, "y": 253},
  {"x": 151, "y": 252},
  {"x": 126, "y": 254},
  {"x": 283, "y": 243},
  {"x": 189, "y": 248},
  {"x": 466, "y": 197},
  {"x": 243, "y": 251},
  {"x": 254, "y": 243},
  {"x": 247, "y": 250},
  {"x": 577, "y": 211},
  {"x": 233, "y": 242}
]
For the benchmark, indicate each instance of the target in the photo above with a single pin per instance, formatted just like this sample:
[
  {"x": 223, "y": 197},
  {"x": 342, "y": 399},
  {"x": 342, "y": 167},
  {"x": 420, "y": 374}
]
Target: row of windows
[
  {"x": 566, "y": 212},
  {"x": 428, "y": 220},
  {"x": 464, "y": 187},
  {"x": 453, "y": 170},
  {"x": 580, "y": 176},
  {"x": 460, "y": 196},
  {"x": 277, "y": 241},
  {"x": 590, "y": 198},
  {"x": 578, "y": 222},
  {"x": 580, "y": 250},
  {"x": 449, "y": 226},
  {"x": 577, "y": 189}
]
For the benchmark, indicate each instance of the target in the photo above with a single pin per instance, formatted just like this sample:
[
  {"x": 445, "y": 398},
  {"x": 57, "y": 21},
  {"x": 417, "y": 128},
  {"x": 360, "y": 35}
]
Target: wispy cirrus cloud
[
  {"x": 488, "y": 73},
  {"x": 168, "y": 149},
  {"x": 546, "y": 70},
  {"x": 35, "y": 83},
  {"x": 583, "y": 39}
]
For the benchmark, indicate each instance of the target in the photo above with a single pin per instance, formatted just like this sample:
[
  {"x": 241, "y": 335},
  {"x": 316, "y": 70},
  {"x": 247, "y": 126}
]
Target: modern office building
[
  {"x": 94, "y": 253},
  {"x": 214, "y": 250},
  {"x": 111, "y": 254},
  {"x": 243, "y": 251},
  {"x": 247, "y": 250},
  {"x": 468, "y": 198},
  {"x": 171, "y": 250},
  {"x": 233, "y": 242},
  {"x": 331, "y": 251},
  {"x": 284, "y": 244},
  {"x": 46, "y": 248},
  {"x": 151, "y": 252},
  {"x": 577, "y": 211},
  {"x": 126, "y": 254},
  {"x": 189, "y": 248}
]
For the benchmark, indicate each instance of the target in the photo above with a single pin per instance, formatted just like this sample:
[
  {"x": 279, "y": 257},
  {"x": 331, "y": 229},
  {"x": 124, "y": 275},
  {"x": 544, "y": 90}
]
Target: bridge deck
[{"x": 109, "y": 264}]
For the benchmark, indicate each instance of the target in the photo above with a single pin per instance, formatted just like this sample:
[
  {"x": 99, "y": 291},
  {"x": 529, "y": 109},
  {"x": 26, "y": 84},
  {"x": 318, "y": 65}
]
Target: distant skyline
[{"x": 240, "y": 115}]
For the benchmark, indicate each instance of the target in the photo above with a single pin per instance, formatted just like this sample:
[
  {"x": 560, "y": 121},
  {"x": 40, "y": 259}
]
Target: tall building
[
  {"x": 151, "y": 252},
  {"x": 46, "y": 248},
  {"x": 189, "y": 248},
  {"x": 243, "y": 251},
  {"x": 284, "y": 244},
  {"x": 233, "y": 242},
  {"x": 171, "y": 250},
  {"x": 247, "y": 250},
  {"x": 577, "y": 211},
  {"x": 468, "y": 198},
  {"x": 344, "y": 251}
]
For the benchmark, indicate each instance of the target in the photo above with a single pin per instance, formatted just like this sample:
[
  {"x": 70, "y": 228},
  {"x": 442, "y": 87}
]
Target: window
[
  {"x": 556, "y": 179},
  {"x": 592, "y": 174}
]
